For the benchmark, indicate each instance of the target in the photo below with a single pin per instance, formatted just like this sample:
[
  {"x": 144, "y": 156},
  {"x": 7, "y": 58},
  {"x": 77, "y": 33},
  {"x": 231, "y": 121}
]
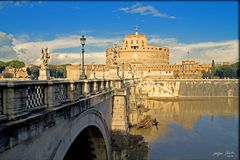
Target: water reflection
[{"x": 192, "y": 129}]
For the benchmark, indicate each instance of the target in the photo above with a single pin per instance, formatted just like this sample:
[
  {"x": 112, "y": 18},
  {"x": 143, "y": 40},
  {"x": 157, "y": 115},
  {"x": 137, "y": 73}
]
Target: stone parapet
[{"x": 19, "y": 98}]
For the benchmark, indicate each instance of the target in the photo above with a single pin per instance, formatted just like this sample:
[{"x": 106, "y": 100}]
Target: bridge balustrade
[
  {"x": 35, "y": 96},
  {"x": 1, "y": 103},
  {"x": 21, "y": 98},
  {"x": 103, "y": 85},
  {"x": 98, "y": 83}
]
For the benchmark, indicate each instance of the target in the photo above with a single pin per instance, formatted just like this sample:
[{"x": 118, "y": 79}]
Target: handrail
[{"x": 20, "y": 98}]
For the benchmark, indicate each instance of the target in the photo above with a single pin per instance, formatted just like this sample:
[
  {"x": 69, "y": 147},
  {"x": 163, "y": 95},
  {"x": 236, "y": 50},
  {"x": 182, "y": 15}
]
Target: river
[{"x": 192, "y": 129}]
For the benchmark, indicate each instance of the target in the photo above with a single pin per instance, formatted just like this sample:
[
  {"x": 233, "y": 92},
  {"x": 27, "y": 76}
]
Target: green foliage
[
  {"x": 213, "y": 68},
  {"x": 227, "y": 71},
  {"x": 213, "y": 64},
  {"x": 57, "y": 71},
  {"x": 16, "y": 64},
  {"x": 2, "y": 66},
  {"x": 33, "y": 72},
  {"x": 7, "y": 75},
  {"x": 206, "y": 75}
]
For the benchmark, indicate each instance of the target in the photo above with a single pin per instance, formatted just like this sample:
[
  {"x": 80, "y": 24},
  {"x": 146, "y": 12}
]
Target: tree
[
  {"x": 206, "y": 75},
  {"x": 226, "y": 71},
  {"x": 16, "y": 65},
  {"x": 2, "y": 66},
  {"x": 212, "y": 68},
  {"x": 57, "y": 71},
  {"x": 33, "y": 71},
  {"x": 219, "y": 73},
  {"x": 229, "y": 71}
]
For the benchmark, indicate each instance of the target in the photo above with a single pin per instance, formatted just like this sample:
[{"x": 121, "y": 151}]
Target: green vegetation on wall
[
  {"x": 57, "y": 71},
  {"x": 2, "y": 66},
  {"x": 33, "y": 72},
  {"x": 224, "y": 71}
]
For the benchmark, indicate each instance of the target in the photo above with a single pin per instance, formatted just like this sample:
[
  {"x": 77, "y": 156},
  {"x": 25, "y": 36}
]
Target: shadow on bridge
[{"x": 89, "y": 144}]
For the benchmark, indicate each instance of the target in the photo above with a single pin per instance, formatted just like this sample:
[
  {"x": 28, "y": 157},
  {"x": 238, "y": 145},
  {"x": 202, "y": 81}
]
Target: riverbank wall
[{"x": 157, "y": 88}]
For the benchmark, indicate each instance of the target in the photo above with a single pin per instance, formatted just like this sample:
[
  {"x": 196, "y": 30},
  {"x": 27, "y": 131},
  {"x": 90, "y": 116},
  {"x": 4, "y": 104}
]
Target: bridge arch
[{"x": 87, "y": 139}]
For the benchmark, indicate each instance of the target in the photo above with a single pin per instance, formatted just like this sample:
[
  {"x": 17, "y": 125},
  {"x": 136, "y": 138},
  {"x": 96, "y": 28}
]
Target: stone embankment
[{"x": 189, "y": 88}]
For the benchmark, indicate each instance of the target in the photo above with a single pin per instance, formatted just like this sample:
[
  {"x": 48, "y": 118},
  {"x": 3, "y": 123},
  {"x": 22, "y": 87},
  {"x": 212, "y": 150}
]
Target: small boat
[
  {"x": 144, "y": 122},
  {"x": 155, "y": 122}
]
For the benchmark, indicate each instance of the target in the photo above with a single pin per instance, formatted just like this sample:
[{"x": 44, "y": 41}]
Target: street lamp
[{"x": 83, "y": 40}]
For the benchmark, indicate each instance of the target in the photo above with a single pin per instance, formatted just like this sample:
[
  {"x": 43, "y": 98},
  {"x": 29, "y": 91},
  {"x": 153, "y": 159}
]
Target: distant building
[
  {"x": 20, "y": 73},
  {"x": 136, "y": 49},
  {"x": 136, "y": 58}
]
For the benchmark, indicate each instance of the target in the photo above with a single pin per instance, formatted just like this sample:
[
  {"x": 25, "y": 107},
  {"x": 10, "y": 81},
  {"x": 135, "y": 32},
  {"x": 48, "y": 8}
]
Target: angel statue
[
  {"x": 114, "y": 54},
  {"x": 44, "y": 57}
]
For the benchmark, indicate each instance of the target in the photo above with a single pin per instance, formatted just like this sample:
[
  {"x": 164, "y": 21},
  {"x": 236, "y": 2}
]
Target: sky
[{"x": 208, "y": 30}]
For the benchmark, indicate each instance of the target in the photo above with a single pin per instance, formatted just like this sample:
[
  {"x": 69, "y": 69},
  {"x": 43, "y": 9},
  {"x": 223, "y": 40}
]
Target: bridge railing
[
  {"x": 1, "y": 103},
  {"x": 20, "y": 98}
]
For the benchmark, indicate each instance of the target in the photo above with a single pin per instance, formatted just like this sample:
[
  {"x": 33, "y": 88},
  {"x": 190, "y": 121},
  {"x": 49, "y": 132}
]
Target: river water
[{"x": 192, "y": 129}]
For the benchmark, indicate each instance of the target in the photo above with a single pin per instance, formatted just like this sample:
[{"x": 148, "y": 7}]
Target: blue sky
[{"x": 173, "y": 24}]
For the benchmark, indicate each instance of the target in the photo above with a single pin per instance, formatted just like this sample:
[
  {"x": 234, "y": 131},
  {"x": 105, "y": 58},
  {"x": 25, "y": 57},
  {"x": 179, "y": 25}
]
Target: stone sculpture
[{"x": 44, "y": 73}]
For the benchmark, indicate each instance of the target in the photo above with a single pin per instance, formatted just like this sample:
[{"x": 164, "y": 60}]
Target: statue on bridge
[
  {"x": 44, "y": 73},
  {"x": 114, "y": 68},
  {"x": 44, "y": 57},
  {"x": 92, "y": 73},
  {"x": 115, "y": 54}
]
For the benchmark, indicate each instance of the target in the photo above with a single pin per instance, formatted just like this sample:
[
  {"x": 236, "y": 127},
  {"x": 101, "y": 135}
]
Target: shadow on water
[
  {"x": 203, "y": 126},
  {"x": 129, "y": 146}
]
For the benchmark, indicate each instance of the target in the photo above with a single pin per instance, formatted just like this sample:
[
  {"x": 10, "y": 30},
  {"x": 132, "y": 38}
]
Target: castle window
[
  {"x": 160, "y": 48},
  {"x": 143, "y": 48},
  {"x": 152, "y": 48},
  {"x": 131, "y": 41},
  {"x": 164, "y": 49},
  {"x": 137, "y": 41}
]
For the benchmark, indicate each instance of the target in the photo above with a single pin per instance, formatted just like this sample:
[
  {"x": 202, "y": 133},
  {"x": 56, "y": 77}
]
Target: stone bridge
[{"x": 61, "y": 119}]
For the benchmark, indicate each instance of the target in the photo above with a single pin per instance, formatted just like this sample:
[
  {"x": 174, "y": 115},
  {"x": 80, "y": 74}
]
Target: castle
[{"x": 135, "y": 58}]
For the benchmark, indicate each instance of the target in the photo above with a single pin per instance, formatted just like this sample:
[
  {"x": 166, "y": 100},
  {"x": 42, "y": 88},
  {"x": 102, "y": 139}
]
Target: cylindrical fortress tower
[{"x": 135, "y": 49}]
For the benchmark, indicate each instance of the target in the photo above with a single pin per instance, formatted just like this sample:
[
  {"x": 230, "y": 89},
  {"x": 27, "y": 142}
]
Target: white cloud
[
  {"x": 202, "y": 52},
  {"x": 29, "y": 52},
  {"x": 6, "y": 46},
  {"x": 74, "y": 58},
  {"x": 138, "y": 8}
]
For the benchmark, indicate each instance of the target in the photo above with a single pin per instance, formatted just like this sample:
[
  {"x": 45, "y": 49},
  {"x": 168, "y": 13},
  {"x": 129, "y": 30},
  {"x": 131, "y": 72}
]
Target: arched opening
[{"x": 88, "y": 145}]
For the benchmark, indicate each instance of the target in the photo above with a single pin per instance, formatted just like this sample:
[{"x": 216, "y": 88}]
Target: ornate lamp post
[{"x": 83, "y": 40}]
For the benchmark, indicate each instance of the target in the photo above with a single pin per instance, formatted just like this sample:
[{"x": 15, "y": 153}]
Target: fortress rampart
[{"x": 189, "y": 88}]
